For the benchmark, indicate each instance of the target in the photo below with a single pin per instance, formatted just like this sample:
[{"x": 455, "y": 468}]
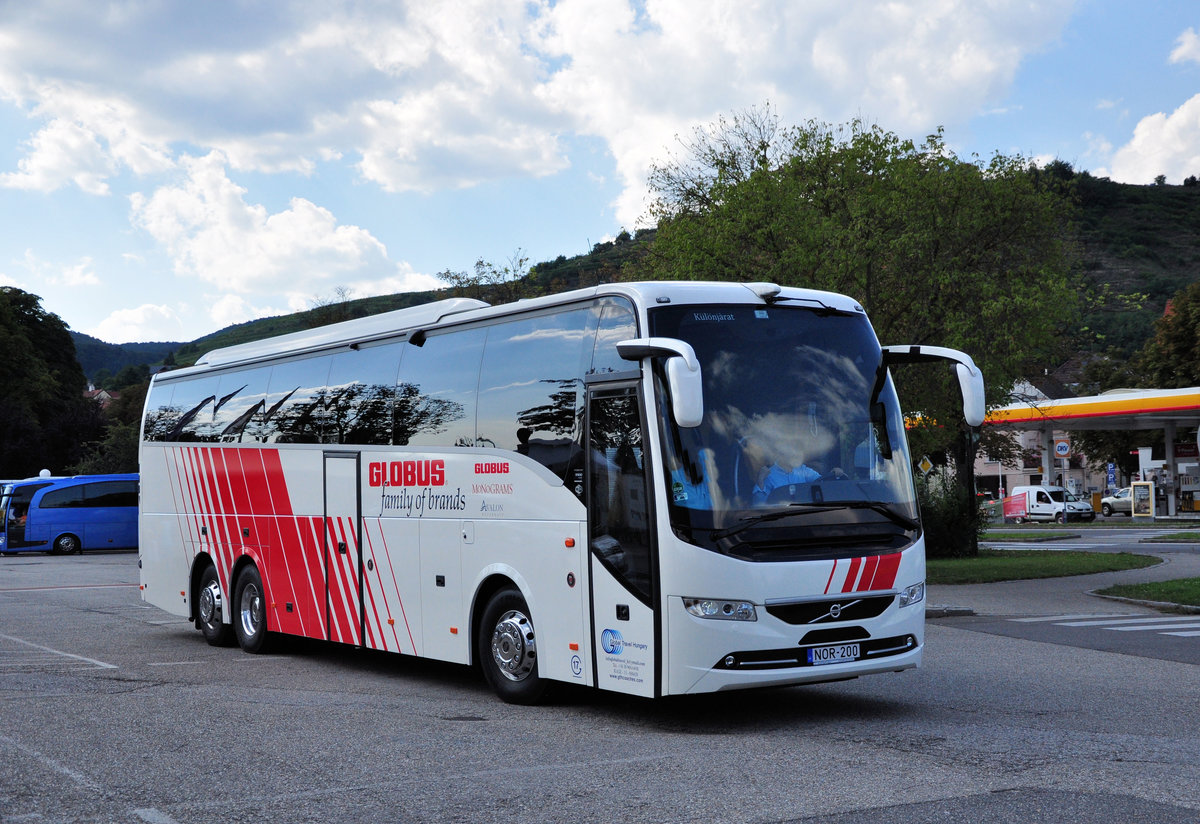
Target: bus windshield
[{"x": 801, "y": 452}]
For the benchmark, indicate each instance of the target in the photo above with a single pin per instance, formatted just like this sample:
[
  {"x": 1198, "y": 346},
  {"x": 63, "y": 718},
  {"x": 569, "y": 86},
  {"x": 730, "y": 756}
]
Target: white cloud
[
  {"x": 79, "y": 274},
  {"x": 227, "y": 310},
  {"x": 908, "y": 66},
  {"x": 213, "y": 234},
  {"x": 62, "y": 153},
  {"x": 434, "y": 96},
  {"x": 1162, "y": 144},
  {"x": 145, "y": 322},
  {"x": 1187, "y": 48}
]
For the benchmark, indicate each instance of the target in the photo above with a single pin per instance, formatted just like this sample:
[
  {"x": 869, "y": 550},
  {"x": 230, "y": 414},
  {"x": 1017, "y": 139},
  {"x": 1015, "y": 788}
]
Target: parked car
[
  {"x": 1052, "y": 503},
  {"x": 1119, "y": 501}
]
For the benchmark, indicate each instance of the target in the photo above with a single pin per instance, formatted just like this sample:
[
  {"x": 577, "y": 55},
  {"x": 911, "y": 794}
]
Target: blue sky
[{"x": 169, "y": 168}]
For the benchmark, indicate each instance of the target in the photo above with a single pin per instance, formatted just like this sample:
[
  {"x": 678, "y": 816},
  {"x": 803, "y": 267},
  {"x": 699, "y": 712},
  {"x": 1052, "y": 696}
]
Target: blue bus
[{"x": 68, "y": 515}]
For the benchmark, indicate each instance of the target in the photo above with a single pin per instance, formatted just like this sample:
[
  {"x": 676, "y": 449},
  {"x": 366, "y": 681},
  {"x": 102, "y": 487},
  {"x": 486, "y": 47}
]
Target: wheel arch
[
  {"x": 492, "y": 583},
  {"x": 200, "y": 563}
]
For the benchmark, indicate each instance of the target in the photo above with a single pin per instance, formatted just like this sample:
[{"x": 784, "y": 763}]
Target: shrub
[{"x": 952, "y": 518}]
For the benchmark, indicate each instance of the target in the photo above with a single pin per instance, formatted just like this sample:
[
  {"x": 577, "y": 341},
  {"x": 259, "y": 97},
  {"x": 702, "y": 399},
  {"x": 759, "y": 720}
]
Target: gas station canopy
[
  {"x": 1175, "y": 411},
  {"x": 1118, "y": 409}
]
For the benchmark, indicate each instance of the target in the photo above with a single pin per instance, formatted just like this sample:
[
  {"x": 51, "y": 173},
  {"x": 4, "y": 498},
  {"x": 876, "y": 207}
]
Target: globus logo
[{"x": 407, "y": 473}]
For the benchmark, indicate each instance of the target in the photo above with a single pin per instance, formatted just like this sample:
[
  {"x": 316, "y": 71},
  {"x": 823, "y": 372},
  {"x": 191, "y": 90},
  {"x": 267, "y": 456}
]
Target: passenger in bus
[{"x": 771, "y": 474}]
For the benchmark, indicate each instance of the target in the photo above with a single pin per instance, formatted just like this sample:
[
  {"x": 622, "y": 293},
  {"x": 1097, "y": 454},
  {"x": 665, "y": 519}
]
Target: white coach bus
[{"x": 651, "y": 488}]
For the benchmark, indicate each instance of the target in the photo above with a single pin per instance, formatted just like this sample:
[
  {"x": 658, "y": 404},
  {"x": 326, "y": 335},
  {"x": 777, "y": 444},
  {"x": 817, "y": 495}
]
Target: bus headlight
[
  {"x": 720, "y": 610},
  {"x": 915, "y": 594}
]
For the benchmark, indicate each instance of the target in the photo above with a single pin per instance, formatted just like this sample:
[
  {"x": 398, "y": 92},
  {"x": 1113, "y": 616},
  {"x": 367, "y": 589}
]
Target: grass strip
[
  {"x": 1181, "y": 591},
  {"x": 1029, "y": 536},
  {"x": 1174, "y": 538},
  {"x": 993, "y": 565}
]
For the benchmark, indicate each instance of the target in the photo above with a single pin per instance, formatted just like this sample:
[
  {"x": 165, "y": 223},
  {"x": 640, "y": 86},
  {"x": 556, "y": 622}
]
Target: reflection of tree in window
[
  {"x": 182, "y": 431},
  {"x": 359, "y": 413},
  {"x": 234, "y": 431},
  {"x": 418, "y": 413},
  {"x": 559, "y": 415}
]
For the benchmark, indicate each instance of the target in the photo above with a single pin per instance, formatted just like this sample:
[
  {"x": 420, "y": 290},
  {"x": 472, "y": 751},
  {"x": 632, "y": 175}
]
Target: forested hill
[
  {"x": 1139, "y": 241},
  {"x": 1135, "y": 240}
]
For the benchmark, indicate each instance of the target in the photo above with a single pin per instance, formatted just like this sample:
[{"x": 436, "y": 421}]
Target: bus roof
[{"x": 431, "y": 315}]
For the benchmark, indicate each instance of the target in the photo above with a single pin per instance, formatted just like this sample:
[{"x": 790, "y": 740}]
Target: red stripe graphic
[
  {"x": 874, "y": 573},
  {"x": 852, "y": 575},
  {"x": 396, "y": 588},
  {"x": 831, "y": 572},
  {"x": 885, "y": 575},
  {"x": 868, "y": 572}
]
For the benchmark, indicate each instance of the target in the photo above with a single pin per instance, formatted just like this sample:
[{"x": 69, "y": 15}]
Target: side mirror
[
  {"x": 970, "y": 379},
  {"x": 683, "y": 374}
]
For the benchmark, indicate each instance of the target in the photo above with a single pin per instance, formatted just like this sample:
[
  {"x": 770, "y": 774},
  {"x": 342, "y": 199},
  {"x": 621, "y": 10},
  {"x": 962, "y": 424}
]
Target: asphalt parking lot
[{"x": 111, "y": 710}]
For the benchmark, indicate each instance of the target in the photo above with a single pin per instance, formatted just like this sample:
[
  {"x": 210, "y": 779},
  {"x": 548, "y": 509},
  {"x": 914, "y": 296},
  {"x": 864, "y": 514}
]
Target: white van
[{"x": 1053, "y": 503}]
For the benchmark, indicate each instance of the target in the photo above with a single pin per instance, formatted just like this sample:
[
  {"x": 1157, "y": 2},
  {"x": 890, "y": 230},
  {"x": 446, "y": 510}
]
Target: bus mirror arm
[
  {"x": 970, "y": 379},
  {"x": 683, "y": 374}
]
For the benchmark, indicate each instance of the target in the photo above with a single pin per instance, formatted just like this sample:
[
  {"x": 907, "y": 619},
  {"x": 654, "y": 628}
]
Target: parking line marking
[
  {"x": 1072, "y": 617},
  {"x": 1145, "y": 628},
  {"x": 58, "y": 767},
  {"x": 1153, "y": 619},
  {"x": 92, "y": 661},
  {"x": 67, "y": 586}
]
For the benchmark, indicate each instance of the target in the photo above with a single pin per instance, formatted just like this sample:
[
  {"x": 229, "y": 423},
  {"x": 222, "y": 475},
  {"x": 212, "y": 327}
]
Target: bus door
[
  {"x": 621, "y": 547},
  {"x": 343, "y": 554},
  {"x": 17, "y": 512}
]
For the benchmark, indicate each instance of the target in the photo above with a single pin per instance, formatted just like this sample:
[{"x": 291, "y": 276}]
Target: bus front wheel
[
  {"x": 67, "y": 544},
  {"x": 210, "y": 610},
  {"x": 250, "y": 611},
  {"x": 508, "y": 649}
]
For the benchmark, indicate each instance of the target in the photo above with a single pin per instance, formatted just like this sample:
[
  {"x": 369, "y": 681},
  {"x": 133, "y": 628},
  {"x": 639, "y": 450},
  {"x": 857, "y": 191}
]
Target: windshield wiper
[
  {"x": 807, "y": 509},
  {"x": 898, "y": 518},
  {"x": 753, "y": 520}
]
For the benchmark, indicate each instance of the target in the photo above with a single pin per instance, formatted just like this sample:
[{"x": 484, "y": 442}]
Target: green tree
[
  {"x": 44, "y": 418},
  {"x": 491, "y": 283},
  {"x": 1171, "y": 358},
  {"x": 937, "y": 250}
]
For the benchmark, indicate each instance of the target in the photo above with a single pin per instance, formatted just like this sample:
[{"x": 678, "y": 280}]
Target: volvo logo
[{"x": 835, "y": 611}]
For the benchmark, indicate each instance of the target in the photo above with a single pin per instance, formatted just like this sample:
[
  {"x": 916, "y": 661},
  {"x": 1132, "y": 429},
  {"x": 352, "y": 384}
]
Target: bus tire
[
  {"x": 507, "y": 648},
  {"x": 250, "y": 611},
  {"x": 210, "y": 608},
  {"x": 66, "y": 544}
]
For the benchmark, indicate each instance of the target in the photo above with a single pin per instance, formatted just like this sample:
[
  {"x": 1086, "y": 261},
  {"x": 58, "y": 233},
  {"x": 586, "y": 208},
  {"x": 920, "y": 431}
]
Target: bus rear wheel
[
  {"x": 210, "y": 610},
  {"x": 250, "y": 611},
  {"x": 67, "y": 544},
  {"x": 507, "y": 649}
]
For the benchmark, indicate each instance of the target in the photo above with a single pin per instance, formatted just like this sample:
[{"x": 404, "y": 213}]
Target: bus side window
[
  {"x": 617, "y": 323},
  {"x": 239, "y": 402},
  {"x": 191, "y": 407},
  {"x": 362, "y": 384},
  {"x": 293, "y": 408},
  {"x": 68, "y": 497},
  {"x": 531, "y": 387},
  {"x": 161, "y": 416},
  {"x": 436, "y": 393}
]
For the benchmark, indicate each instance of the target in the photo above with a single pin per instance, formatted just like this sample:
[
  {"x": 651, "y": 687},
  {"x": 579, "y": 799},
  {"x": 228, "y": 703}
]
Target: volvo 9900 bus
[{"x": 650, "y": 488}]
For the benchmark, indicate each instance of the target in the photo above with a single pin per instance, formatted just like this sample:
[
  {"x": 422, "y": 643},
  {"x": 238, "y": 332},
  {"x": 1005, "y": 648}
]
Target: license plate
[{"x": 832, "y": 655}]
